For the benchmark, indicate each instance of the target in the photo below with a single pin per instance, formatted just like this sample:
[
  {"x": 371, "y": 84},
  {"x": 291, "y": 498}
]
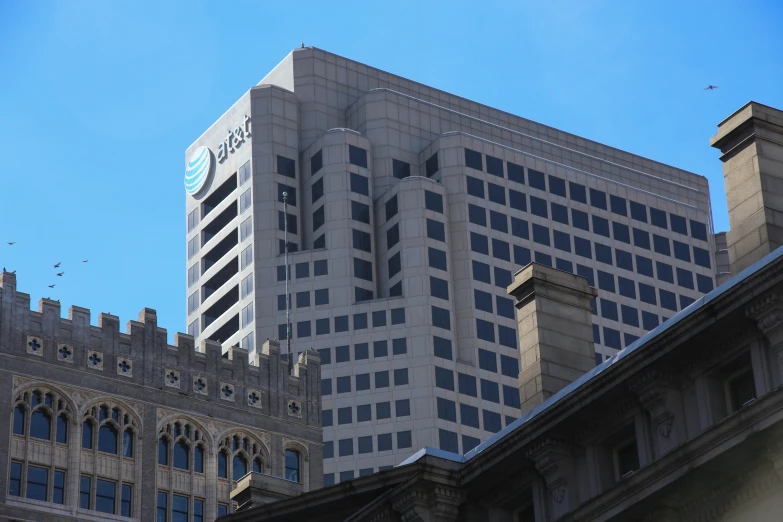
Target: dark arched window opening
[
  {"x": 107, "y": 439},
  {"x": 19, "y": 418},
  {"x": 87, "y": 435},
  {"x": 62, "y": 429},
  {"x": 163, "y": 451},
  {"x": 127, "y": 443},
  {"x": 222, "y": 465},
  {"x": 292, "y": 465},
  {"x": 239, "y": 467},
  {"x": 181, "y": 455},
  {"x": 40, "y": 425},
  {"x": 257, "y": 466},
  {"x": 198, "y": 459}
]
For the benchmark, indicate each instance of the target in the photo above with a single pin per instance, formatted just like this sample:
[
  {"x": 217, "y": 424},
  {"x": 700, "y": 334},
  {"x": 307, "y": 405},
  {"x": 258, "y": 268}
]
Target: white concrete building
[{"x": 410, "y": 209}]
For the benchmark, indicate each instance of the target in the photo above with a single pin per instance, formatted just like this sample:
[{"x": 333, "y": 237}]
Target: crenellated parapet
[{"x": 141, "y": 356}]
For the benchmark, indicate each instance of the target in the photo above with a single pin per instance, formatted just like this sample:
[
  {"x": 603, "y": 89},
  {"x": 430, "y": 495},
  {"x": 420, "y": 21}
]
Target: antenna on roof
[{"x": 287, "y": 274}]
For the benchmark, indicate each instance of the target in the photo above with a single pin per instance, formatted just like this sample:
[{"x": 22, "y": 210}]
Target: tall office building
[{"x": 409, "y": 209}]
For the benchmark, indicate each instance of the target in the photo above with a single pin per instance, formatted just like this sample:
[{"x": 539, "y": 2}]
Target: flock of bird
[{"x": 56, "y": 266}]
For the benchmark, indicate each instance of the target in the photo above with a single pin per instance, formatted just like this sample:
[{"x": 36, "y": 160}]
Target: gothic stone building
[
  {"x": 104, "y": 425},
  {"x": 683, "y": 425}
]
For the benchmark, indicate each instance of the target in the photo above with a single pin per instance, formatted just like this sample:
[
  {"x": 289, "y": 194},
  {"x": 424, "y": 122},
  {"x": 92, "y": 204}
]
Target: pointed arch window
[
  {"x": 41, "y": 425},
  {"x": 127, "y": 443},
  {"x": 87, "y": 435},
  {"x": 222, "y": 465},
  {"x": 238, "y": 467},
  {"x": 19, "y": 420},
  {"x": 62, "y": 429},
  {"x": 163, "y": 451},
  {"x": 181, "y": 455},
  {"x": 292, "y": 465},
  {"x": 198, "y": 459},
  {"x": 258, "y": 466},
  {"x": 107, "y": 439}
]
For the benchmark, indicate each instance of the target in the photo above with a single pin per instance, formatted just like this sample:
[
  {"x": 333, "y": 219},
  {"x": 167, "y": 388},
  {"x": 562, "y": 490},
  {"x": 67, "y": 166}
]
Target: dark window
[
  {"x": 586, "y": 272},
  {"x": 342, "y": 353},
  {"x": 511, "y": 396},
  {"x": 441, "y": 318},
  {"x": 328, "y": 451},
  {"x": 477, "y": 215},
  {"x": 698, "y": 230},
  {"x": 541, "y": 234},
  {"x": 437, "y": 258},
  {"x": 498, "y": 221},
  {"x": 439, "y": 288},
  {"x": 291, "y": 194},
  {"x": 601, "y": 226},
  {"x": 603, "y": 253},
  {"x": 397, "y": 316},
  {"x": 609, "y": 310},
  {"x": 360, "y": 184},
  {"x": 318, "y": 190},
  {"x": 490, "y": 391},
  {"x": 326, "y": 386},
  {"x": 37, "y": 482},
  {"x": 598, "y": 199},
  {"x": 343, "y": 385},
  {"x": 577, "y": 192},
  {"x": 488, "y": 360},
  {"x": 364, "y": 413},
  {"x": 360, "y": 212},
  {"x": 468, "y": 442},
  {"x": 362, "y": 269},
  {"x": 491, "y": 421},
  {"x": 357, "y": 156},
  {"x": 679, "y": 224},
  {"x": 494, "y": 166},
  {"x": 447, "y": 441},
  {"x": 361, "y": 351},
  {"x": 564, "y": 265},
  {"x": 467, "y": 385},
  {"x": 557, "y": 186},
  {"x": 536, "y": 179},
  {"x": 479, "y": 243},
  {"x": 627, "y": 288},
  {"x": 612, "y": 338},
  {"x": 630, "y": 315},
  {"x": 482, "y": 300},
  {"x": 447, "y": 410},
  {"x": 704, "y": 283},
  {"x": 661, "y": 245},
  {"x": 509, "y": 366},
  {"x": 618, "y": 205},
  {"x": 521, "y": 255},
  {"x": 481, "y": 272},
  {"x": 606, "y": 281},
  {"x": 341, "y": 324},
  {"x": 541, "y": 258},
  {"x": 291, "y": 221},
  {"x": 365, "y": 446},
  {"x": 638, "y": 211},
  {"x": 473, "y": 160},
  {"x": 623, "y": 259},
  {"x": 519, "y": 228},
  {"x": 316, "y": 162},
  {"x": 621, "y": 232},
  {"x": 318, "y": 218},
  {"x": 380, "y": 349},
  {"x": 562, "y": 240},
  {"x": 503, "y": 277},
  {"x": 362, "y": 241},
  {"x": 327, "y": 419},
  {"x": 686, "y": 301},
  {"x": 647, "y": 294},
  {"x": 444, "y": 379},
  {"x": 223, "y": 464},
  {"x": 507, "y": 336},
  {"x": 302, "y": 300},
  {"x": 322, "y": 326},
  {"x": 496, "y": 193},
  {"x": 302, "y": 270},
  {"x": 431, "y": 166},
  {"x": 392, "y": 236},
  {"x": 469, "y": 415},
  {"x": 320, "y": 268},
  {"x": 107, "y": 438},
  {"x": 665, "y": 272},
  {"x": 181, "y": 455},
  {"x": 517, "y": 200},
  {"x": 559, "y": 213},
  {"x": 582, "y": 247},
  {"x": 644, "y": 266},
  {"x": 378, "y": 318},
  {"x": 40, "y": 425},
  {"x": 701, "y": 257},
  {"x": 515, "y": 172},
  {"x": 384, "y": 442},
  {"x": 19, "y": 420},
  {"x": 505, "y": 307},
  {"x": 500, "y": 250},
  {"x": 436, "y": 230},
  {"x": 345, "y": 447},
  {"x": 382, "y": 379},
  {"x": 286, "y": 167},
  {"x": 433, "y": 201},
  {"x": 303, "y": 329},
  {"x": 345, "y": 415},
  {"x": 322, "y": 296},
  {"x": 401, "y": 169},
  {"x": 649, "y": 321},
  {"x": 538, "y": 207},
  {"x": 658, "y": 218},
  {"x": 668, "y": 299},
  {"x": 105, "y": 493},
  {"x": 684, "y": 278},
  {"x": 399, "y": 346},
  {"x": 475, "y": 187},
  {"x": 641, "y": 239},
  {"x": 442, "y": 347}
]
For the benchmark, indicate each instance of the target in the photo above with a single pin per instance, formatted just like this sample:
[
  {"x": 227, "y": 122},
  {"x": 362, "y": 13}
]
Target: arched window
[
  {"x": 40, "y": 425},
  {"x": 87, "y": 435},
  {"x": 239, "y": 467},
  {"x": 48, "y": 399},
  {"x": 103, "y": 414},
  {"x": 181, "y": 455},
  {"x": 127, "y": 443},
  {"x": 19, "y": 418},
  {"x": 107, "y": 439},
  {"x": 198, "y": 459},
  {"x": 222, "y": 465},
  {"x": 258, "y": 466},
  {"x": 36, "y": 399},
  {"x": 163, "y": 451},
  {"x": 292, "y": 465},
  {"x": 62, "y": 429}
]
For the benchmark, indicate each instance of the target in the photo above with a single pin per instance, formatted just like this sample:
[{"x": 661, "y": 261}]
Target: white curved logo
[{"x": 198, "y": 169}]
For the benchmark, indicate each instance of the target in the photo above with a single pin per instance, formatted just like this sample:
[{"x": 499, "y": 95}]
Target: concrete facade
[
  {"x": 102, "y": 425},
  {"x": 413, "y": 209}
]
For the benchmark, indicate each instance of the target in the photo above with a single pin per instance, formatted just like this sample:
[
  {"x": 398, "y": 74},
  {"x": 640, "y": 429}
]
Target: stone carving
[
  {"x": 254, "y": 398},
  {"x": 227, "y": 392},
  {"x": 665, "y": 426},
  {"x": 95, "y": 360},
  {"x": 200, "y": 385},
  {"x": 171, "y": 378},
  {"x": 558, "y": 492},
  {"x": 294, "y": 408},
  {"x": 125, "y": 367},
  {"x": 34, "y": 345},
  {"x": 65, "y": 352}
]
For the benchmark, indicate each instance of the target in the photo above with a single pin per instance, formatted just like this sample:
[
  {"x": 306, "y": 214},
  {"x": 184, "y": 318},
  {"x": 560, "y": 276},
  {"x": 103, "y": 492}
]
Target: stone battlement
[{"x": 142, "y": 357}]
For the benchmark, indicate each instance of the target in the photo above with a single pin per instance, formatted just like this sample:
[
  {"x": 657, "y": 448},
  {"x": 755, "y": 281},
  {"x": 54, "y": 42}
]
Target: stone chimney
[
  {"x": 555, "y": 331},
  {"x": 751, "y": 145}
]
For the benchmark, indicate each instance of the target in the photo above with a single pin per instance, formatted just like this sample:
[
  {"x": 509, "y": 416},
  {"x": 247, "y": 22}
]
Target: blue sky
[{"x": 100, "y": 99}]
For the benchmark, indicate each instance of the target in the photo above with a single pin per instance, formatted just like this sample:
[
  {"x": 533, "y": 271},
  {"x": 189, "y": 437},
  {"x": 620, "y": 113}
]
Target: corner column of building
[
  {"x": 751, "y": 143},
  {"x": 555, "y": 331}
]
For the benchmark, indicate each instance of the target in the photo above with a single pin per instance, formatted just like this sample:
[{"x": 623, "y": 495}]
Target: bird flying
[
  {"x": 57, "y": 265},
  {"x": 710, "y": 87},
  {"x": 11, "y": 242},
  {"x": 60, "y": 274},
  {"x": 84, "y": 260},
  {"x": 51, "y": 286}
]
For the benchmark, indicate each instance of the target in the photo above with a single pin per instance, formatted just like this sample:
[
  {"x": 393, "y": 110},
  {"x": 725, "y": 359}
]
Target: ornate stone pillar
[{"x": 555, "y": 461}]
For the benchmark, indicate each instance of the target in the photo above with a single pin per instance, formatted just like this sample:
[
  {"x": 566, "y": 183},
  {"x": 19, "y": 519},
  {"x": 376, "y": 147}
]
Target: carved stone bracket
[
  {"x": 767, "y": 311},
  {"x": 438, "y": 504},
  {"x": 658, "y": 394},
  {"x": 554, "y": 459}
]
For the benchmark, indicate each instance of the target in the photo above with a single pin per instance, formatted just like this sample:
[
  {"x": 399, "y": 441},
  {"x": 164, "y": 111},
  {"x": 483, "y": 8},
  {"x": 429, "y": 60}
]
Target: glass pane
[
  {"x": 257, "y": 466},
  {"x": 162, "y": 506},
  {"x": 107, "y": 439},
  {"x": 87, "y": 435},
  {"x": 37, "y": 482},
  {"x": 198, "y": 510},
  {"x": 85, "y": 485},
  {"x": 222, "y": 465},
  {"x": 163, "y": 452},
  {"x": 239, "y": 467},
  {"x": 15, "y": 485},
  {"x": 179, "y": 512},
  {"x": 292, "y": 465},
  {"x": 198, "y": 459},
  {"x": 19, "y": 415},
  {"x": 58, "y": 494},
  {"x": 181, "y": 455},
  {"x": 127, "y": 443},
  {"x": 127, "y": 499},
  {"x": 40, "y": 425},
  {"x": 62, "y": 429},
  {"x": 105, "y": 493}
]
